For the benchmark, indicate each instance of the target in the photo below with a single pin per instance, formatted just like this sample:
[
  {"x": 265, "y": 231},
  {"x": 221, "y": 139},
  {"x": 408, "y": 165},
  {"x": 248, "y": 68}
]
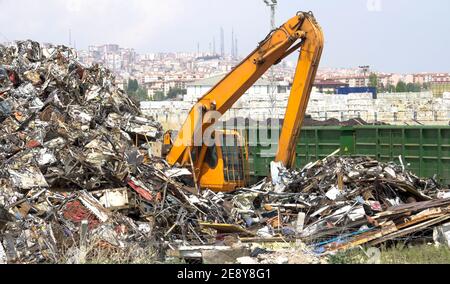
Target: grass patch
[{"x": 420, "y": 254}]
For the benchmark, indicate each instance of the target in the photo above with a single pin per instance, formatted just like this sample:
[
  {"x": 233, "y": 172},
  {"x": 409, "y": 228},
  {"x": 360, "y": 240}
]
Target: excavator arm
[
  {"x": 299, "y": 33},
  {"x": 305, "y": 74}
]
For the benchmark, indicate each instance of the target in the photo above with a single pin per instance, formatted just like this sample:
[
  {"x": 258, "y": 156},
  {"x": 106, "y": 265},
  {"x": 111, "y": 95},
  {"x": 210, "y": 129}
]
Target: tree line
[
  {"x": 140, "y": 94},
  {"x": 401, "y": 86}
]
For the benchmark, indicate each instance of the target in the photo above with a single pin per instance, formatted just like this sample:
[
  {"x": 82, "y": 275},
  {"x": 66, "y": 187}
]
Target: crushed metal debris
[{"x": 77, "y": 176}]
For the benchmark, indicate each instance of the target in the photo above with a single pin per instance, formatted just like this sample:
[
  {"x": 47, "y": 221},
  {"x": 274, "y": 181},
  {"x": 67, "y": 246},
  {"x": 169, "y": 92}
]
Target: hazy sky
[{"x": 390, "y": 35}]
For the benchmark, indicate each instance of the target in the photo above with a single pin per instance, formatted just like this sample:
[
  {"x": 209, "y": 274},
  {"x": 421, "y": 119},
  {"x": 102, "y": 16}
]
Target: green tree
[
  {"x": 136, "y": 92},
  {"x": 140, "y": 95},
  {"x": 373, "y": 80},
  {"x": 132, "y": 86},
  {"x": 390, "y": 88},
  {"x": 175, "y": 92},
  {"x": 413, "y": 88},
  {"x": 158, "y": 96},
  {"x": 401, "y": 87}
]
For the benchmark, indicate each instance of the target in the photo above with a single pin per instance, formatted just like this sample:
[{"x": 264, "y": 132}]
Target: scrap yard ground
[{"x": 79, "y": 183}]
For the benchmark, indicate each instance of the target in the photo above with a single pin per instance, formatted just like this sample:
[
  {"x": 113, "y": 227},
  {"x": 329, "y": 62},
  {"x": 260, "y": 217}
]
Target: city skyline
[
  {"x": 229, "y": 56},
  {"x": 161, "y": 72},
  {"x": 361, "y": 34}
]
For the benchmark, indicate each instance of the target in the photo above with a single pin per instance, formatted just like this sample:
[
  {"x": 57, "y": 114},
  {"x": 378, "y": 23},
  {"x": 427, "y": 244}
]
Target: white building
[{"x": 262, "y": 90}]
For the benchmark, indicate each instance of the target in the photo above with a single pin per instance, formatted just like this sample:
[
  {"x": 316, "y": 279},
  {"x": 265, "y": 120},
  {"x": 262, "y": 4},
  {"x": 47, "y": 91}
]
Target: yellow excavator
[{"x": 221, "y": 164}]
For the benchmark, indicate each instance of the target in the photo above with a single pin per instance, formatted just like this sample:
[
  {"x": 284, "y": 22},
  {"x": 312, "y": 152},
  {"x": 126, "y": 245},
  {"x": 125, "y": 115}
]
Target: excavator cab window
[
  {"x": 233, "y": 158},
  {"x": 195, "y": 152},
  {"x": 211, "y": 157}
]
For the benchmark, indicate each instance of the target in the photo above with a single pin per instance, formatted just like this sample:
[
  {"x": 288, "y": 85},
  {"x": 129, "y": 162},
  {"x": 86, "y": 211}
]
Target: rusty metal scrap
[
  {"x": 73, "y": 149},
  {"x": 76, "y": 177},
  {"x": 343, "y": 202}
]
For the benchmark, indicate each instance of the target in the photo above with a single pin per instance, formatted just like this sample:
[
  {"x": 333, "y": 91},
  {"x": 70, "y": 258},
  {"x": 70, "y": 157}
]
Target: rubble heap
[
  {"x": 71, "y": 126},
  {"x": 74, "y": 148},
  {"x": 341, "y": 202},
  {"x": 77, "y": 180}
]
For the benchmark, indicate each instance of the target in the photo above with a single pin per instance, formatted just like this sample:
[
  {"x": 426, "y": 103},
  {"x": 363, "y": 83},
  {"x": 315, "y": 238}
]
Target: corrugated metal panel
[{"x": 426, "y": 149}]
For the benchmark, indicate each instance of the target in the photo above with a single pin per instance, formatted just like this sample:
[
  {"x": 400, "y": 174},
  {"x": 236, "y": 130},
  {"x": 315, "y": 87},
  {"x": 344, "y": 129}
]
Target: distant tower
[
  {"x": 222, "y": 42},
  {"x": 70, "y": 38},
  {"x": 236, "y": 53},
  {"x": 198, "y": 48},
  {"x": 365, "y": 69},
  {"x": 272, "y": 4},
  {"x": 232, "y": 43},
  {"x": 214, "y": 46}
]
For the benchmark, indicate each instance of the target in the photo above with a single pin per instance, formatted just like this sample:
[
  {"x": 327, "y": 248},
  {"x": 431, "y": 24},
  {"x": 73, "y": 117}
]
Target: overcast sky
[{"x": 390, "y": 35}]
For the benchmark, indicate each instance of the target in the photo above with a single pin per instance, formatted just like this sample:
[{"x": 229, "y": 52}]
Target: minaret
[
  {"x": 222, "y": 42},
  {"x": 232, "y": 43}
]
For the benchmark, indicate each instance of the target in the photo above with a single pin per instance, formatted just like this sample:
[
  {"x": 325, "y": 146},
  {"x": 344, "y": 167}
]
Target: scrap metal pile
[
  {"x": 74, "y": 148},
  {"x": 77, "y": 179},
  {"x": 334, "y": 204},
  {"x": 342, "y": 202}
]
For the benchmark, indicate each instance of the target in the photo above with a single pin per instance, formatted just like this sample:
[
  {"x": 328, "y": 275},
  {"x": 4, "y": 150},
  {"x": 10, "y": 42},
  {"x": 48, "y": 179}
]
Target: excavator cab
[
  {"x": 223, "y": 167},
  {"x": 225, "y": 164},
  {"x": 168, "y": 138}
]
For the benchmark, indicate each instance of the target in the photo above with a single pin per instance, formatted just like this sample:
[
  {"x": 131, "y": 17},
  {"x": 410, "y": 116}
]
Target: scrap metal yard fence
[{"x": 425, "y": 150}]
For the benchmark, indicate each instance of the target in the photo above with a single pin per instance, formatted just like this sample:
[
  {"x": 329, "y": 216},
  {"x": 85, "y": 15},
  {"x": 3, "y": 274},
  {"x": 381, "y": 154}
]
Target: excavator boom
[
  {"x": 299, "y": 33},
  {"x": 305, "y": 74}
]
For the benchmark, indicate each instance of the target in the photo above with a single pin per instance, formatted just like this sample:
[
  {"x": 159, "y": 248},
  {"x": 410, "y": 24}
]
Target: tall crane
[
  {"x": 272, "y": 4},
  {"x": 219, "y": 166}
]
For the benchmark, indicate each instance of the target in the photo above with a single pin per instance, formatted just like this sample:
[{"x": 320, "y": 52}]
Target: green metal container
[{"x": 424, "y": 149}]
